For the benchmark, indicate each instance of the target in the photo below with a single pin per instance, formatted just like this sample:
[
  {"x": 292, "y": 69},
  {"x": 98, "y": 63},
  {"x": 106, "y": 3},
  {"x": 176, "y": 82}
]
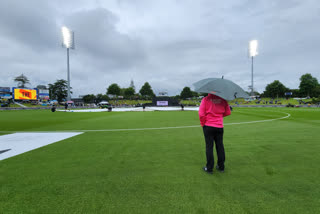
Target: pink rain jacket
[{"x": 212, "y": 110}]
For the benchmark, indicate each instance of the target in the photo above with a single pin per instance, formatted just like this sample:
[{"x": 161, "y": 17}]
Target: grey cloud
[
  {"x": 99, "y": 42},
  {"x": 30, "y": 24}
]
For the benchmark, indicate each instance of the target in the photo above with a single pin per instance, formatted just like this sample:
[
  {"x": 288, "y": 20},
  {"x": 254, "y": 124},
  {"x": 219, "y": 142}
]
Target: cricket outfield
[{"x": 150, "y": 162}]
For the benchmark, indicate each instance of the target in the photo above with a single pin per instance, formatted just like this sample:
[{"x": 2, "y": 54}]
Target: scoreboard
[{"x": 25, "y": 94}]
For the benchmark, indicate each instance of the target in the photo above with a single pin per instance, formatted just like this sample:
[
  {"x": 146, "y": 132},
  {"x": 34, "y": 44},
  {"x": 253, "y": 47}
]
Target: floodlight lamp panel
[
  {"x": 67, "y": 36},
  {"x": 253, "y": 48}
]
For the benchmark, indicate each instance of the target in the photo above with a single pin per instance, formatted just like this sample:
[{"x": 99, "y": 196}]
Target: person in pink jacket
[{"x": 211, "y": 113}]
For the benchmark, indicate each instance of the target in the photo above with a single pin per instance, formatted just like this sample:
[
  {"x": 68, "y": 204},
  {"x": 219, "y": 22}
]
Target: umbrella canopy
[
  {"x": 223, "y": 88},
  {"x": 104, "y": 103},
  {"x": 53, "y": 101}
]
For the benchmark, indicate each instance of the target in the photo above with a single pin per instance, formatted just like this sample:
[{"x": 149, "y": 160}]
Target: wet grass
[{"x": 271, "y": 167}]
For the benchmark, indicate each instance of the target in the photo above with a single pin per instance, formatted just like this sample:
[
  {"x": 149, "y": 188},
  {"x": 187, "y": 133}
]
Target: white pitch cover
[
  {"x": 18, "y": 143},
  {"x": 174, "y": 108}
]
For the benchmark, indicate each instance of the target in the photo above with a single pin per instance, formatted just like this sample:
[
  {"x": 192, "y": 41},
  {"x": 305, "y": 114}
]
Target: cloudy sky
[{"x": 168, "y": 43}]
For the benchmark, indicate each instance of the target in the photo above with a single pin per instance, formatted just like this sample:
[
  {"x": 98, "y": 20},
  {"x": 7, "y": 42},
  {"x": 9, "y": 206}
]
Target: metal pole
[
  {"x": 68, "y": 66},
  {"x": 252, "y": 92}
]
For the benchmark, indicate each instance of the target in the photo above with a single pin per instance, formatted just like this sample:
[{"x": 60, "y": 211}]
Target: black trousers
[{"x": 212, "y": 134}]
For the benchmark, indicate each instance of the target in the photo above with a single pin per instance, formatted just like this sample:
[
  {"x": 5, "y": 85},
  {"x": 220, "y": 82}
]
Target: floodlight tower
[
  {"x": 253, "y": 51},
  {"x": 68, "y": 42}
]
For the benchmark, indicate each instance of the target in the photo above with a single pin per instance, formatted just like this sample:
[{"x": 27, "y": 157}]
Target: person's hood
[{"x": 212, "y": 96}]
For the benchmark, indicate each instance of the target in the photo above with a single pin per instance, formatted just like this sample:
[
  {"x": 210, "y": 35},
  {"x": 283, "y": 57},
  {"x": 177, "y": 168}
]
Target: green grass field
[{"x": 271, "y": 166}]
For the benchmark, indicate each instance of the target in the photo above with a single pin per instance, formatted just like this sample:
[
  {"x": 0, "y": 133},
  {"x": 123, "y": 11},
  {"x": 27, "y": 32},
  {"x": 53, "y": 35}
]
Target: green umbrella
[{"x": 223, "y": 88}]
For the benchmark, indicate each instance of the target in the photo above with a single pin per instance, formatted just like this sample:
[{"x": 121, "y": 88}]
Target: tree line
[
  {"x": 308, "y": 87},
  {"x": 115, "y": 91}
]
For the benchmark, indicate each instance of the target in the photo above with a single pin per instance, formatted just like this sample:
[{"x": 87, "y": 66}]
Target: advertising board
[
  {"x": 5, "y": 96},
  {"x": 5, "y": 93},
  {"x": 4, "y": 89},
  {"x": 25, "y": 94},
  {"x": 43, "y": 94},
  {"x": 162, "y": 103}
]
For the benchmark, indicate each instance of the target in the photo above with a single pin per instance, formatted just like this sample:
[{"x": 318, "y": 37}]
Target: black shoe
[
  {"x": 206, "y": 170},
  {"x": 218, "y": 168}
]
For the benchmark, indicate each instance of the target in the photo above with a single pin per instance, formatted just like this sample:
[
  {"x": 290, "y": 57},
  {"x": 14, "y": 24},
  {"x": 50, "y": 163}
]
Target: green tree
[
  {"x": 177, "y": 97},
  {"x": 295, "y": 92},
  {"x": 132, "y": 85},
  {"x": 316, "y": 91},
  {"x": 105, "y": 97},
  {"x": 99, "y": 98},
  {"x": 308, "y": 83},
  {"x": 59, "y": 90},
  {"x": 129, "y": 92},
  {"x": 122, "y": 91},
  {"x": 89, "y": 98},
  {"x": 114, "y": 89},
  {"x": 275, "y": 89},
  {"x": 186, "y": 93},
  {"x": 146, "y": 90},
  {"x": 22, "y": 81},
  {"x": 195, "y": 94},
  {"x": 41, "y": 87}
]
